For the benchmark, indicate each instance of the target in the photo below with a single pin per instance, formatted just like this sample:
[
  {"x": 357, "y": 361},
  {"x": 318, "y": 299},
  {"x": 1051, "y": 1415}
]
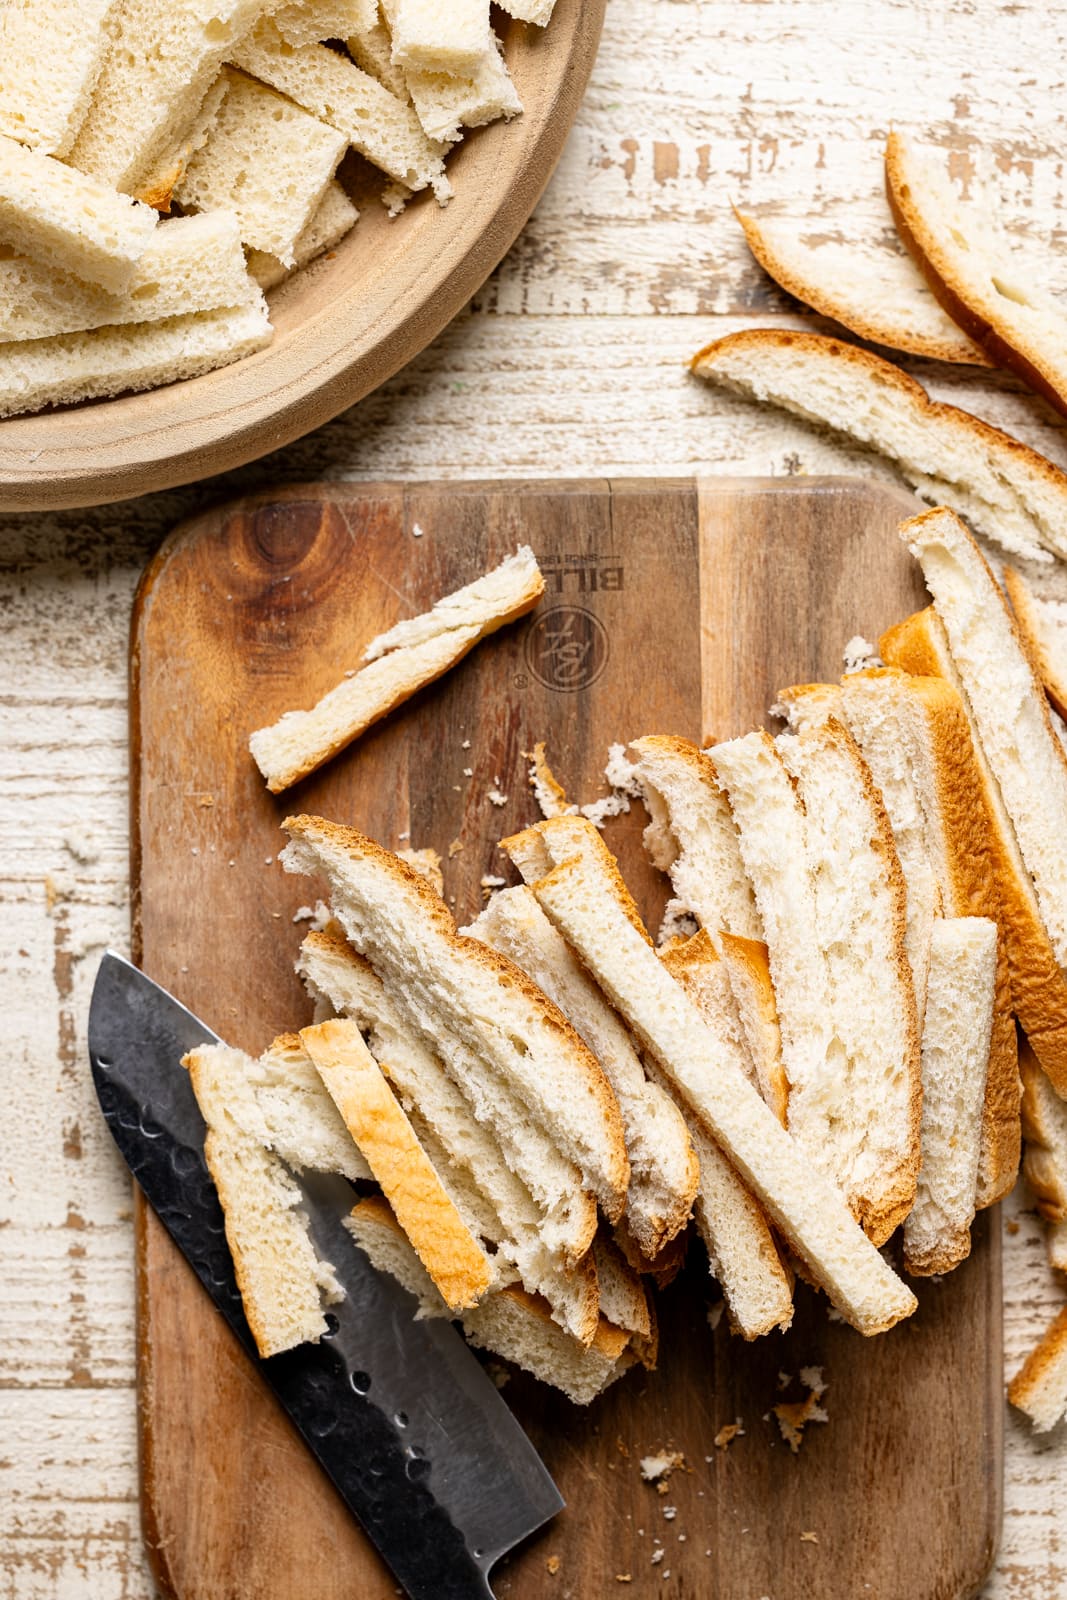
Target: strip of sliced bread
[
  {"x": 806, "y": 1207},
  {"x": 511, "y": 1323},
  {"x": 70, "y": 222},
  {"x": 885, "y": 300},
  {"x": 398, "y": 663},
  {"x": 525, "y": 1233},
  {"x": 303, "y": 1125},
  {"x": 373, "y": 1116},
  {"x": 157, "y": 183},
  {"x": 747, "y": 963},
  {"x": 1045, "y": 1127},
  {"x": 915, "y": 735},
  {"x": 190, "y": 264},
  {"x": 811, "y": 704},
  {"x": 45, "y": 86},
  {"x": 919, "y": 645},
  {"x": 333, "y": 217},
  {"x": 1043, "y": 627},
  {"x": 874, "y": 1108},
  {"x": 161, "y": 63},
  {"x": 375, "y": 122},
  {"x": 971, "y": 267},
  {"x": 624, "y": 1300},
  {"x": 1040, "y": 1386},
  {"x": 313, "y": 21},
  {"x": 107, "y": 361},
  {"x": 1007, "y": 492},
  {"x": 283, "y": 1283},
  {"x": 462, "y": 992},
  {"x": 955, "y": 1063},
  {"x": 663, "y": 1168},
  {"x": 449, "y": 36},
  {"x": 268, "y": 162},
  {"x": 1027, "y": 759},
  {"x": 692, "y": 836}
]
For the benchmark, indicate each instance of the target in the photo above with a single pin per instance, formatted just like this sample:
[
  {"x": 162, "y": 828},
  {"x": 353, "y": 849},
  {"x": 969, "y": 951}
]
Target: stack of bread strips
[
  {"x": 396, "y": 665},
  {"x": 142, "y": 111}
]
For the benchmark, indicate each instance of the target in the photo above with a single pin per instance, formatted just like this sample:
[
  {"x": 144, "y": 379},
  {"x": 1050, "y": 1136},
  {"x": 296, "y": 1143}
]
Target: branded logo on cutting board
[{"x": 567, "y": 648}]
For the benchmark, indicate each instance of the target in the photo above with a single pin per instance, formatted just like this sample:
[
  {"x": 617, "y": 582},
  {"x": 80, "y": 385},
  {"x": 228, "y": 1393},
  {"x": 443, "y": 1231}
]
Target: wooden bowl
[{"x": 342, "y": 326}]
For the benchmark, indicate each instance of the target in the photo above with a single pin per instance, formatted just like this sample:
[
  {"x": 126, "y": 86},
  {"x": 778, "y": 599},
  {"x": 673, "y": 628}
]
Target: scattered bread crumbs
[
  {"x": 623, "y": 1577},
  {"x": 784, "y": 1380},
  {"x": 812, "y": 1378},
  {"x": 808, "y": 1537},
  {"x": 657, "y": 1556},
  {"x": 205, "y": 800},
  {"x": 658, "y": 1468},
  {"x": 728, "y": 1433},
  {"x": 454, "y": 848},
  {"x": 623, "y": 1449},
  {"x": 552, "y": 1565},
  {"x": 495, "y": 798},
  {"x": 1011, "y": 1226},
  {"x": 794, "y": 1415}
]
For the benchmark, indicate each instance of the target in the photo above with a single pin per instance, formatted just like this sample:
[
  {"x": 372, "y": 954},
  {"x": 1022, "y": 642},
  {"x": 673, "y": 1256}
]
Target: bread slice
[
  {"x": 266, "y": 161},
  {"x": 811, "y": 704},
  {"x": 460, "y": 992},
  {"x": 1007, "y": 492},
  {"x": 313, "y": 21},
  {"x": 1045, "y": 1127},
  {"x": 692, "y": 836},
  {"x": 444, "y": 1244},
  {"x": 283, "y": 1283},
  {"x": 161, "y": 63},
  {"x": 45, "y": 90},
  {"x": 870, "y": 1116},
  {"x": 748, "y": 965},
  {"x": 302, "y": 1124},
  {"x": 145, "y": 355},
  {"x": 191, "y": 264},
  {"x": 919, "y": 645},
  {"x": 804, "y": 1205},
  {"x": 398, "y": 663},
  {"x": 524, "y": 1232},
  {"x": 624, "y": 1300},
  {"x": 1027, "y": 759},
  {"x": 70, "y": 222},
  {"x": 955, "y": 1063},
  {"x": 1040, "y": 1386},
  {"x": 331, "y": 220},
  {"x": 372, "y": 51},
  {"x": 511, "y": 1323},
  {"x": 157, "y": 183},
  {"x": 449, "y": 36},
  {"x": 885, "y": 300},
  {"x": 663, "y": 1168},
  {"x": 971, "y": 268},
  {"x": 1043, "y": 627},
  {"x": 446, "y": 105},
  {"x": 915, "y": 736},
  {"x": 376, "y": 123}
]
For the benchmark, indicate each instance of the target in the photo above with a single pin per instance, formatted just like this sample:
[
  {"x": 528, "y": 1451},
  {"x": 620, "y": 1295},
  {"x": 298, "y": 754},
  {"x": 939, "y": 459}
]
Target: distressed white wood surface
[{"x": 570, "y": 362}]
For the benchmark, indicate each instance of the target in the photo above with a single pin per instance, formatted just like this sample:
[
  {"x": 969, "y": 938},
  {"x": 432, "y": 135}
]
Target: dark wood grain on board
[{"x": 668, "y": 609}]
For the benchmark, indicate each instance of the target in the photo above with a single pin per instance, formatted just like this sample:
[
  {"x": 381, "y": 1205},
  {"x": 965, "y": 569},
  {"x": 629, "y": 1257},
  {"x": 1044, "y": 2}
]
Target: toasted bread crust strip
[
  {"x": 919, "y": 326},
  {"x": 1040, "y": 1386},
  {"x": 1038, "y": 988},
  {"x": 1047, "y": 653},
  {"x": 409, "y": 936},
  {"x": 451, "y": 1255},
  {"x": 1016, "y": 329},
  {"x": 807, "y": 1208},
  {"x": 1008, "y": 492}
]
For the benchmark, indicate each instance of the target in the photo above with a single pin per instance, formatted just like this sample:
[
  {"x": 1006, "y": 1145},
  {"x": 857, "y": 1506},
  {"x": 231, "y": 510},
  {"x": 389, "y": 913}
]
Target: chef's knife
[{"x": 414, "y": 1436}]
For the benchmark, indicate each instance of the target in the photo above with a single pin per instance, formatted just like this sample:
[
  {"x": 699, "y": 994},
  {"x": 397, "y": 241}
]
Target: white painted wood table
[{"x": 570, "y": 362}]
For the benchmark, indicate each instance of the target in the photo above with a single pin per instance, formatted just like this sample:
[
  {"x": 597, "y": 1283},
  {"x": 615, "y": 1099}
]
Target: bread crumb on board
[
  {"x": 658, "y": 1468},
  {"x": 728, "y": 1433},
  {"x": 808, "y": 1537},
  {"x": 552, "y": 1565},
  {"x": 793, "y": 1416}
]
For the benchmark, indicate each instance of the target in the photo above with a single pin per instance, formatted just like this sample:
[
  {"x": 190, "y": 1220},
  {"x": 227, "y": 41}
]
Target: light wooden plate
[{"x": 342, "y": 326}]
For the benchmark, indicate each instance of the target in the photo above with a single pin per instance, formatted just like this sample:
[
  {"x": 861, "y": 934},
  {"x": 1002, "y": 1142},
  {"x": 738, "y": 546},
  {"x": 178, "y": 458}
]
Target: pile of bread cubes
[
  {"x": 828, "y": 1063},
  {"x": 235, "y": 116}
]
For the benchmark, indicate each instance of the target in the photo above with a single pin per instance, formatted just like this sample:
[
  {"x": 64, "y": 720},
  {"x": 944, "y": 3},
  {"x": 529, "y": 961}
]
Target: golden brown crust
[
  {"x": 821, "y": 297},
  {"x": 1038, "y": 987},
  {"x": 1039, "y": 1363},
  {"x": 509, "y": 976},
  {"x": 1030, "y": 632},
  {"x": 933, "y": 256},
  {"x": 750, "y": 965},
  {"x": 374, "y": 1117},
  {"x": 577, "y": 836},
  {"x": 1044, "y": 1173}
]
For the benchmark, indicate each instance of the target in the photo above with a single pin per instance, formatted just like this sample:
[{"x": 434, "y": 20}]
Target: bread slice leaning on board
[
  {"x": 1006, "y": 491},
  {"x": 971, "y": 268}
]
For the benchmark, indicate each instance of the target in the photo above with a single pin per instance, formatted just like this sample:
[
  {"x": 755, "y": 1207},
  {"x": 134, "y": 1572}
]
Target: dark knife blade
[{"x": 414, "y": 1436}]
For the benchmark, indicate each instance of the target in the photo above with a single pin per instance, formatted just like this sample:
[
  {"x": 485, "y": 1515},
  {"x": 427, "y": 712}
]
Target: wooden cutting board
[{"x": 670, "y": 608}]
